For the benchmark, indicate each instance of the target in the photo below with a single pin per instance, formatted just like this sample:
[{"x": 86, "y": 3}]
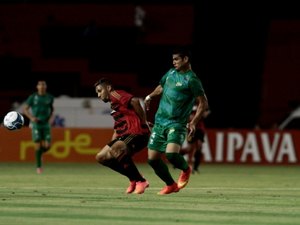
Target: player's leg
[
  {"x": 135, "y": 143},
  {"x": 156, "y": 148},
  {"x": 38, "y": 157},
  {"x": 162, "y": 171},
  {"x": 176, "y": 137},
  {"x": 130, "y": 145},
  {"x": 191, "y": 148},
  {"x": 197, "y": 156},
  {"x": 44, "y": 145},
  {"x": 178, "y": 161},
  {"x": 199, "y": 135},
  {"x": 36, "y": 138},
  {"x": 105, "y": 158},
  {"x": 116, "y": 156}
]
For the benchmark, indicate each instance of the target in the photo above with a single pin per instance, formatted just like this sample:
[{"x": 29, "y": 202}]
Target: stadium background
[{"x": 246, "y": 54}]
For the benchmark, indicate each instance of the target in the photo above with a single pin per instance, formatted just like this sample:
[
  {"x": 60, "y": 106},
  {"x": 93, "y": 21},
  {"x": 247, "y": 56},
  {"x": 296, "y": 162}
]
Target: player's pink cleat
[
  {"x": 184, "y": 178},
  {"x": 39, "y": 170},
  {"x": 141, "y": 187},
  {"x": 169, "y": 189},
  {"x": 131, "y": 187}
]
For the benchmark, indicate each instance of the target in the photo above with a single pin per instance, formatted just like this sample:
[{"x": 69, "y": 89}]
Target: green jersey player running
[
  {"x": 178, "y": 89},
  {"x": 39, "y": 110}
]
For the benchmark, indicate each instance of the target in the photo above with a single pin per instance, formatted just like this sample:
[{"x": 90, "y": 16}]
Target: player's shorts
[
  {"x": 199, "y": 135},
  {"x": 41, "y": 132},
  {"x": 161, "y": 136},
  {"x": 134, "y": 142}
]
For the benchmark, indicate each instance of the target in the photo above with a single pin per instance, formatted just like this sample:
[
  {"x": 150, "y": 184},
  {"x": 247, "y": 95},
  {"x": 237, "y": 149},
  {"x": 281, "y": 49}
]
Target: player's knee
[{"x": 100, "y": 158}]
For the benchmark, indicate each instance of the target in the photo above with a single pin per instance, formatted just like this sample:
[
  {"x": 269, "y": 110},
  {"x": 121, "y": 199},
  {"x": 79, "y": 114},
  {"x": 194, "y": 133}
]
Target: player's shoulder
[
  {"x": 192, "y": 74},
  {"x": 120, "y": 93},
  {"x": 32, "y": 95},
  {"x": 171, "y": 71},
  {"x": 50, "y": 96}
]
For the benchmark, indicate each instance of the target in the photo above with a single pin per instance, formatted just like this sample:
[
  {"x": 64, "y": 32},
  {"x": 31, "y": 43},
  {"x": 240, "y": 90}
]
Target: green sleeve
[
  {"x": 164, "y": 78},
  {"x": 29, "y": 100},
  {"x": 196, "y": 87}
]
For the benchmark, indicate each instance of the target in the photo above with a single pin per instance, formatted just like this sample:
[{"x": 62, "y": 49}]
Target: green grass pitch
[{"x": 88, "y": 194}]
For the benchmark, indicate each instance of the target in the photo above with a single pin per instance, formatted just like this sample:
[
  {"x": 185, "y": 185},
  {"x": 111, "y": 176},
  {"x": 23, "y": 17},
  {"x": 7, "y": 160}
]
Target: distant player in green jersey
[
  {"x": 178, "y": 89},
  {"x": 39, "y": 110}
]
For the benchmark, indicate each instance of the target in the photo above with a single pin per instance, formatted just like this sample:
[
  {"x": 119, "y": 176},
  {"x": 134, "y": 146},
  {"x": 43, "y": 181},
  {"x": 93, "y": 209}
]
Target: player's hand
[
  {"x": 150, "y": 125},
  {"x": 191, "y": 130},
  {"x": 35, "y": 119},
  {"x": 147, "y": 102}
]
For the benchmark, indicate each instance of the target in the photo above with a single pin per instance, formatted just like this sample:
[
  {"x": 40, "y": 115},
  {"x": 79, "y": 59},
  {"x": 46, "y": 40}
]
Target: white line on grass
[{"x": 158, "y": 188}]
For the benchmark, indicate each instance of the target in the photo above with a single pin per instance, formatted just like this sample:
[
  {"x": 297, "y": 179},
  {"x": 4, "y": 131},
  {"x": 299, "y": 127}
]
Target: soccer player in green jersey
[
  {"x": 178, "y": 89},
  {"x": 38, "y": 108}
]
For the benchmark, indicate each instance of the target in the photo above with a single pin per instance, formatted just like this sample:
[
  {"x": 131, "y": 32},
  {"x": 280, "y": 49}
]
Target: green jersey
[
  {"x": 178, "y": 98},
  {"x": 41, "y": 106}
]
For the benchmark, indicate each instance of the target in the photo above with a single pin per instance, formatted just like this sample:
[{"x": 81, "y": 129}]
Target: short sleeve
[
  {"x": 196, "y": 86},
  {"x": 164, "y": 78},
  {"x": 125, "y": 98}
]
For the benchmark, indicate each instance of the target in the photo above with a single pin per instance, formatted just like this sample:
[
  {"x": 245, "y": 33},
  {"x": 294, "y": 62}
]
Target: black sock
[
  {"x": 38, "y": 157},
  {"x": 131, "y": 168},
  {"x": 177, "y": 161},
  {"x": 126, "y": 167},
  {"x": 115, "y": 165},
  {"x": 161, "y": 170}
]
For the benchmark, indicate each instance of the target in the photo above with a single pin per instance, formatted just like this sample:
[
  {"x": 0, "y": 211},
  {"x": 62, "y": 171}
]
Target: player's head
[
  {"x": 103, "y": 88},
  {"x": 181, "y": 58},
  {"x": 41, "y": 86}
]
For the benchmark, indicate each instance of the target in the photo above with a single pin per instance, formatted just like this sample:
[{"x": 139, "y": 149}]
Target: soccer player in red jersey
[{"x": 131, "y": 134}]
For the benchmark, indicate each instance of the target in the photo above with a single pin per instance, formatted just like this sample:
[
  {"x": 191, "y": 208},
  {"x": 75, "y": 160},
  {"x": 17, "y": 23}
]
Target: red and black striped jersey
[{"x": 126, "y": 121}]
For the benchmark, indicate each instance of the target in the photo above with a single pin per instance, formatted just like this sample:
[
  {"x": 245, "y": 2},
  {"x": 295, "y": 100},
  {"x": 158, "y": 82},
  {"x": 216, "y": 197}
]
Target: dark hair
[
  {"x": 183, "y": 51},
  {"x": 103, "y": 81}
]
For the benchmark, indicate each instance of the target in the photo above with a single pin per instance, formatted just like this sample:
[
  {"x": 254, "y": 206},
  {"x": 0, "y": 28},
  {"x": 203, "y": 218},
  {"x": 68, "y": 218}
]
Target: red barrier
[{"x": 221, "y": 146}]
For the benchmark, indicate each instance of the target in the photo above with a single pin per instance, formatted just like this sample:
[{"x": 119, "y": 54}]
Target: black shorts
[
  {"x": 199, "y": 135},
  {"x": 134, "y": 142}
]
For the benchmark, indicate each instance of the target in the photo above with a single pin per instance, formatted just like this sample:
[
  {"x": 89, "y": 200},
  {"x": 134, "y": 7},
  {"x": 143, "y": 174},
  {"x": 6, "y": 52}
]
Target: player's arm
[
  {"x": 201, "y": 108},
  {"x": 135, "y": 103},
  {"x": 26, "y": 111},
  {"x": 157, "y": 91},
  {"x": 51, "y": 119}
]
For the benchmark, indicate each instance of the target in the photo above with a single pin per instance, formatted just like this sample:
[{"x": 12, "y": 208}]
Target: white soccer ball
[{"x": 13, "y": 120}]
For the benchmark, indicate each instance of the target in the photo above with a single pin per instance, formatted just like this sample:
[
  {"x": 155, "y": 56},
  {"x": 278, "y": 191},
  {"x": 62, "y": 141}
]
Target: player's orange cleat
[
  {"x": 39, "y": 170},
  {"x": 141, "y": 187},
  {"x": 184, "y": 178},
  {"x": 131, "y": 187},
  {"x": 169, "y": 189}
]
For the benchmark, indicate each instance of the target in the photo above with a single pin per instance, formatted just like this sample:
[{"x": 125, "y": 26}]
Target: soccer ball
[{"x": 13, "y": 120}]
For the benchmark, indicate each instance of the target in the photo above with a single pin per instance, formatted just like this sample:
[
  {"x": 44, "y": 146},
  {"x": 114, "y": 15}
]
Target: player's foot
[
  {"x": 141, "y": 187},
  {"x": 131, "y": 187},
  {"x": 184, "y": 178},
  {"x": 39, "y": 170},
  {"x": 169, "y": 189}
]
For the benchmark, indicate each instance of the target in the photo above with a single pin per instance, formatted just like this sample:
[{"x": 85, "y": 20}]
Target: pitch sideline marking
[{"x": 158, "y": 188}]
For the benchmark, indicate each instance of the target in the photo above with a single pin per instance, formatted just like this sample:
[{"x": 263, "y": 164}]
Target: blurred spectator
[
  {"x": 139, "y": 21},
  {"x": 58, "y": 121}
]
